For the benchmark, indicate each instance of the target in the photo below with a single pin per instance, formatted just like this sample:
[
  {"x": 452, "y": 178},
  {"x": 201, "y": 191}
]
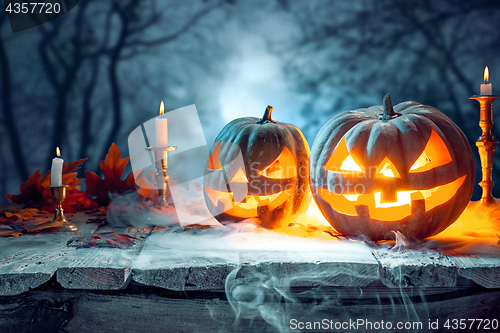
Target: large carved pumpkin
[
  {"x": 382, "y": 169},
  {"x": 258, "y": 168}
]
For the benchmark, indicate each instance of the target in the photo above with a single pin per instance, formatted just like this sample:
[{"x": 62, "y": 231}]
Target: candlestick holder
[
  {"x": 486, "y": 145},
  {"x": 161, "y": 176},
  {"x": 59, "y": 193}
]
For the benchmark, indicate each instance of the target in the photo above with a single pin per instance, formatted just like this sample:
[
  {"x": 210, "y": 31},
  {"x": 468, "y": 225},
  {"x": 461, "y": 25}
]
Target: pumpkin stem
[
  {"x": 388, "y": 109},
  {"x": 267, "y": 116}
]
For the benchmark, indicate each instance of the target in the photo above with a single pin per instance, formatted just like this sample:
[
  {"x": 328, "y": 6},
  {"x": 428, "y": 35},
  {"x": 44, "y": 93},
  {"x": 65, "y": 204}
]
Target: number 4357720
[
  {"x": 33, "y": 8},
  {"x": 485, "y": 324}
]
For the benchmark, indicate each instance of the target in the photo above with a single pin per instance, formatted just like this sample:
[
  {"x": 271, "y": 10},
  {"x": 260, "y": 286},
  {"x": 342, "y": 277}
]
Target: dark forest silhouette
[{"x": 88, "y": 78}]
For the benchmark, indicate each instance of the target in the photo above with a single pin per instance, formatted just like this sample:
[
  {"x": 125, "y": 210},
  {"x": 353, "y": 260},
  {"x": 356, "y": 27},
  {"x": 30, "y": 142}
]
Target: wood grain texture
[
  {"x": 483, "y": 271},
  {"x": 192, "y": 261},
  {"x": 176, "y": 269},
  {"x": 415, "y": 268},
  {"x": 30, "y": 260},
  {"x": 146, "y": 309},
  {"x": 184, "y": 266},
  {"x": 100, "y": 267}
]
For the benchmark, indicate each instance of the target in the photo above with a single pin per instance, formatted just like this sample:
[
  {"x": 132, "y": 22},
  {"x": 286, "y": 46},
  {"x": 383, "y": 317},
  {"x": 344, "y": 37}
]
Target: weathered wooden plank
[
  {"x": 28, "y": 261},
  {"x": 415, "y": 268},
  {"x": 143, "y": 309},
  {"x": 342, "y": 263},
  {"x": 178, "y": 265},
  {"x": 100, "y": 267},
  {"x": 178, "y": 269},
  {"x": 483, "y": 271}
]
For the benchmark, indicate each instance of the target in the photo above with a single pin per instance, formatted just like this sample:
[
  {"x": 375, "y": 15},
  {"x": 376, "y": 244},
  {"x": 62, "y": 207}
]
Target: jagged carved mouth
[
  {"x": 404, "y": 206},
  {"x": 225, "y": 202}
]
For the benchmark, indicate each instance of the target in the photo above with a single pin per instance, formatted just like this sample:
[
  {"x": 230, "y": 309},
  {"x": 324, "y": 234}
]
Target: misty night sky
[{"x": 89, "y": 77}]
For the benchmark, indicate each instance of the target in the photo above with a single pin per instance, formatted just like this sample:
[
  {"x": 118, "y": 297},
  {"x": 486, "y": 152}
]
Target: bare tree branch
[{"x": 9, "y": 122}]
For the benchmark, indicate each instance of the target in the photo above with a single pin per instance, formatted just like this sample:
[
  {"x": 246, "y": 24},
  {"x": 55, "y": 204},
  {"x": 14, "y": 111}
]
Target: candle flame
[
  {"x": 486, "y": 74},
  {"x": 58, "y": 152},
  {"x": 162, "y": 108}
]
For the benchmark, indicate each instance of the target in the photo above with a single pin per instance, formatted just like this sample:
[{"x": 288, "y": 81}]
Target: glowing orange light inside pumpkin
[
  {"x": 239, "y": 177},
  {"x": 486, "y": 74},
  {"x": 225, "y": 202},
  {"x": 214, "y": 159},
  {"x": 282, "y": 167},
  {"x": 351, "y": 197},
  {"x": 386, "y": 169},
  {"x": 236, "y": 201},
  {"x": 349, "y": 165},
  {"x": 435, "y": 154},
  {"x": 391, "y": 211},
  {"x": 162, "y": 108},
  {"x": 380, "y": 207},
  {"x": 403, "y": 198},
  {"x": 58, "y": 152},
  {"x": 341, "y": 160}
]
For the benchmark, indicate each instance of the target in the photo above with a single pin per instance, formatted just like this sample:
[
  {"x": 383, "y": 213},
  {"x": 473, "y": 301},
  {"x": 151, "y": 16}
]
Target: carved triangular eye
[
  {"x": 214, "y": 159},
  {"x": 434, "y": 155},
  {"x": 283, "y": 166},
  {"x": 350, "y": 165},
  {"x": 341, "y": 160},
  {"x": 239, "y": 177},
  {"x": 387, "y": 169}
]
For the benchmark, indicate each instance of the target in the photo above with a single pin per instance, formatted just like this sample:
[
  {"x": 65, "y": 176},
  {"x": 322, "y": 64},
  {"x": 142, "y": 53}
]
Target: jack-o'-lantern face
[
  {"x": 239, "y": 194},
  {"x": 379, "y": 170},
  {"x": 386, "y": 202},
  {"x": 258, "y": 168}
]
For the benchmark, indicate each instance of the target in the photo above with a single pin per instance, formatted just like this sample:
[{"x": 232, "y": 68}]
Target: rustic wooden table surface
[{"x": 187, "y": 281}]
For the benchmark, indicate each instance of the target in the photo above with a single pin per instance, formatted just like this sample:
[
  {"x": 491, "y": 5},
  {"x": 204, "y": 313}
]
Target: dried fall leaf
[
  {"x": 35, "y": 192},
  {"x": 32, "y": 191},
  {"x": 148, "y": 189},
  {"x": 111, "y": 238},
  {"x": 112, "y": 169},
  {"x": 17, "y": 221}
]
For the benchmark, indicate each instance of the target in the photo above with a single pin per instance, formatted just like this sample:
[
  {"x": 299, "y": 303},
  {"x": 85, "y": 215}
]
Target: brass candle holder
[
  {"x": 161, "y": 176},
  {"x": 59, "y": 193},
  {"x": 486, "y": 145}
]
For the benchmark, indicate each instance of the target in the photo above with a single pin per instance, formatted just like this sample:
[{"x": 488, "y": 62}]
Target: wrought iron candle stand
[
  {"x": 161, "y": 176},
  {"x": 486, "y": 145},
  {"x": 59, "y": 193}
]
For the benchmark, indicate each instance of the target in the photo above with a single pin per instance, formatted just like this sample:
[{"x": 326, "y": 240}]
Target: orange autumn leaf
[
  {"x": 111, "y": 238},
  {"x": 149, "y": 190},
  {"x": 22, "y": 214},
  {"x": 32, "y": 192},
  {"x": 36, "y": 193},
  {"x": 146, "y": 188},
  {"x": 17, "y": 221},
  {"x": 112, "y": 169}
]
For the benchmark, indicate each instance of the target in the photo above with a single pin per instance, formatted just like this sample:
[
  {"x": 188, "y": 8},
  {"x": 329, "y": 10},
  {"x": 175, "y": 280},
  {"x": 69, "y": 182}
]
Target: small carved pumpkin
[
  {"x": 258, "y": 168},
  {"x": 408, "y": 169}
]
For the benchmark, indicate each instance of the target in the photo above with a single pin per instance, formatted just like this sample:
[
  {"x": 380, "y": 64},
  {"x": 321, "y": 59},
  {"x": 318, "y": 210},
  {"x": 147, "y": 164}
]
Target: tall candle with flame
[
  {"x": 56, "y": 170},
  {"x": 486, "y": 88},
  {"x": 161, "y": 128}
]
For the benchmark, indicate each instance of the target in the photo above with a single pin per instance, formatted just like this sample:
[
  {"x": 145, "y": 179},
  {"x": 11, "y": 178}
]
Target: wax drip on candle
[{"x": 486, "y": 88}]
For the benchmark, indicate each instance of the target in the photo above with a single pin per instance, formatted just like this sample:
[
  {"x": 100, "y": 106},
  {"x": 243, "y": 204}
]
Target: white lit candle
[
  {"x": 56, "y": 170},
  {"x": 486, "y": 88},
  {"x": 161, "y": 128}
]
